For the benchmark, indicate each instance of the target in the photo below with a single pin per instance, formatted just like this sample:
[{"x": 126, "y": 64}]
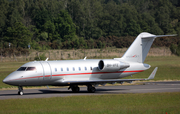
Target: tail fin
[{"x": 139, "y": 49}]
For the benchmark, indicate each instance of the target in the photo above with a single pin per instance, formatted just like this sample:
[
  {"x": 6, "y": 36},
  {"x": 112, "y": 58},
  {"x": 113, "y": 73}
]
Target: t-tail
[{"x": 139, "y": 49}]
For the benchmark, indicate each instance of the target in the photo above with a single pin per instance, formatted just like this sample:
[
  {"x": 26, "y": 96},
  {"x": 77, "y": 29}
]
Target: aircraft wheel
[
  {"x": 75, "y": 89},
  {"x": 91, "y": 89},
  {"x": 20, "y": 93}
]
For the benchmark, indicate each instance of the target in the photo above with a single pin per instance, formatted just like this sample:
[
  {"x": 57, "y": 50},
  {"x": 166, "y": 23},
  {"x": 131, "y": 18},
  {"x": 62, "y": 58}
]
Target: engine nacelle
[{"x": 111, "y": 65}]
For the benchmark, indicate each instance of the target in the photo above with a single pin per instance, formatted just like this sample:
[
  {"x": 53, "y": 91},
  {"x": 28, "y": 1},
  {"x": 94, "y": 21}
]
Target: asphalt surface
[{"x": 147, "y": 87}]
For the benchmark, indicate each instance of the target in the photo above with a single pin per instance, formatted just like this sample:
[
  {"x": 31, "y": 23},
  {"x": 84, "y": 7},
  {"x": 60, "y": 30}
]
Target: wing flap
[{"x": 101, "y": 81}]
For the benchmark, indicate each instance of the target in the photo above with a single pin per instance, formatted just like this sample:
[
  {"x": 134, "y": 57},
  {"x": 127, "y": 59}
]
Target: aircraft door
[{"x": 47, "y": 74}]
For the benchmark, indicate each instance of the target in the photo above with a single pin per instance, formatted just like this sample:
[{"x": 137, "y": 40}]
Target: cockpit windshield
[
  {"x": 22, "y": 69},
  {"x": 31, "y": 68},
  {"x": 27, "y": 69}
]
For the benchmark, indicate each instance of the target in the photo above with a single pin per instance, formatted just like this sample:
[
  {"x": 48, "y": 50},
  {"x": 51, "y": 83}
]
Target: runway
[{"x": 144, "y": 87}]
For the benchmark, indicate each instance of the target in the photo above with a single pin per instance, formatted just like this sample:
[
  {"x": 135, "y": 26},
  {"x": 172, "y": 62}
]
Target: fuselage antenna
[
  {"x": 85, "y": 58},
  {"x": 47, "y": 59}
]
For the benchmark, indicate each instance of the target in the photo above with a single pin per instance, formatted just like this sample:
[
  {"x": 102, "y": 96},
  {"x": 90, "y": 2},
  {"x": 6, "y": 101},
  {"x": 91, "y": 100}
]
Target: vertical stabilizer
[{"x": 139, "y": 49}]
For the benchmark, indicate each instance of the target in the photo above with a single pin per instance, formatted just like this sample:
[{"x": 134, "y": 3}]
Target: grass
[
  {"x": 149, "y": 103},
  {"x": 168, "y": 69}
]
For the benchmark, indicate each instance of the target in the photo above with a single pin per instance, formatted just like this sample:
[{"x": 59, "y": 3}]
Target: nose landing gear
[{"x": 20, "y": 92}]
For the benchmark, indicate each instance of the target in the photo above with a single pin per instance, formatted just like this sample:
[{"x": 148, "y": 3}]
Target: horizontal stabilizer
[
  {"x": 156, "y": 36},
  {"x": 152, "y": 74}
]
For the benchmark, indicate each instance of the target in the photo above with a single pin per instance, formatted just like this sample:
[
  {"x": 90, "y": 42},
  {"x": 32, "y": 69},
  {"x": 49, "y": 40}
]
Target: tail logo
[{"x": 132, "y": 56}]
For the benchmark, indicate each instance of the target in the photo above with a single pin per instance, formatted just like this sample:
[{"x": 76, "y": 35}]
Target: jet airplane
[{"x": 89, "y": 72}]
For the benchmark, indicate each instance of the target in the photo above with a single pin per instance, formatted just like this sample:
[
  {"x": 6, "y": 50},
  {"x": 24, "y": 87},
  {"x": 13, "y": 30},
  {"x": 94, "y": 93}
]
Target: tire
[
  {"x": 20, "y": 93},
  {"x": 91, "y": 90},
  {"x": 75, "y": 89}
]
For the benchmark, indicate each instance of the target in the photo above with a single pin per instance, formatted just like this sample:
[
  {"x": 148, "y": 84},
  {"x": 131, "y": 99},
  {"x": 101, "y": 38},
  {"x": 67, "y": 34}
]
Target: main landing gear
[
  {"x": 90, "y": 88},
  {"x": 20, "y": 92},
  {"x": 76, "y": 89}
]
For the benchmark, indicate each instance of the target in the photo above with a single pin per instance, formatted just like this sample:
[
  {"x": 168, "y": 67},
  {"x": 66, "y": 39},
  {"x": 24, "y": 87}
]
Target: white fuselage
[{"x": 58, "y": 72}]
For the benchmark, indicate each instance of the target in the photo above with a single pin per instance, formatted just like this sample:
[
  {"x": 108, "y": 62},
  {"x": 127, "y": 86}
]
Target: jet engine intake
[{"x": 111, "y": 65}]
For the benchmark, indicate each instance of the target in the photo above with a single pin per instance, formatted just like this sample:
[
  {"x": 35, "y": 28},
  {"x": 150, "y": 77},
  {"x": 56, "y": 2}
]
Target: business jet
[{"x": 89, "y": 72}]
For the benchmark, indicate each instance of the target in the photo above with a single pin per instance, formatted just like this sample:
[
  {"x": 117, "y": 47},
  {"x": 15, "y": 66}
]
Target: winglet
[{"x": 152, "y": 74}]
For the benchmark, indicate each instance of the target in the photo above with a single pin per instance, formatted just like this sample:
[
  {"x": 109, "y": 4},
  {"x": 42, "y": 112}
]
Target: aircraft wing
[{"x": 152, "y": 75}]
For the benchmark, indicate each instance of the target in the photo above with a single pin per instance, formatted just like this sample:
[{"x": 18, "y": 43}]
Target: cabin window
[
  {"x": 22, "y": 69},
  {"x": 56, "y": 69},
  {"x": 85, "y": 68},
  {"x": 91, "y": 68},
  {"x": 67, "y": 69},
  {"x": 73, "y": 69},
  {"x": 79, "y": 68},
  {"x": 31, "y": 69},
  {"x": 61, "y": 69}
]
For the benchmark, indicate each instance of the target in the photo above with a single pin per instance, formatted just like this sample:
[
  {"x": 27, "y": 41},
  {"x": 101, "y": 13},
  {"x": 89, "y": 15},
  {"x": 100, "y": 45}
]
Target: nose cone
[
  {"x": 11, "y": 79},
  {"x": 7, "y": 80}
]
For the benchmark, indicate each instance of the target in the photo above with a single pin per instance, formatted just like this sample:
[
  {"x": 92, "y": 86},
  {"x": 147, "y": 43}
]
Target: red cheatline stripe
[
  {"x": 28, "y": 77},
  {"x": 47, "y": 75},
  {"x": 81, "y": 74},
  {"x": 97, "y": 73}
]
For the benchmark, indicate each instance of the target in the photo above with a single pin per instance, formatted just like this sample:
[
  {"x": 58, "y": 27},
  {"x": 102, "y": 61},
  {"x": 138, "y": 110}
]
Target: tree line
[{"x": 67, "y": 24}]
